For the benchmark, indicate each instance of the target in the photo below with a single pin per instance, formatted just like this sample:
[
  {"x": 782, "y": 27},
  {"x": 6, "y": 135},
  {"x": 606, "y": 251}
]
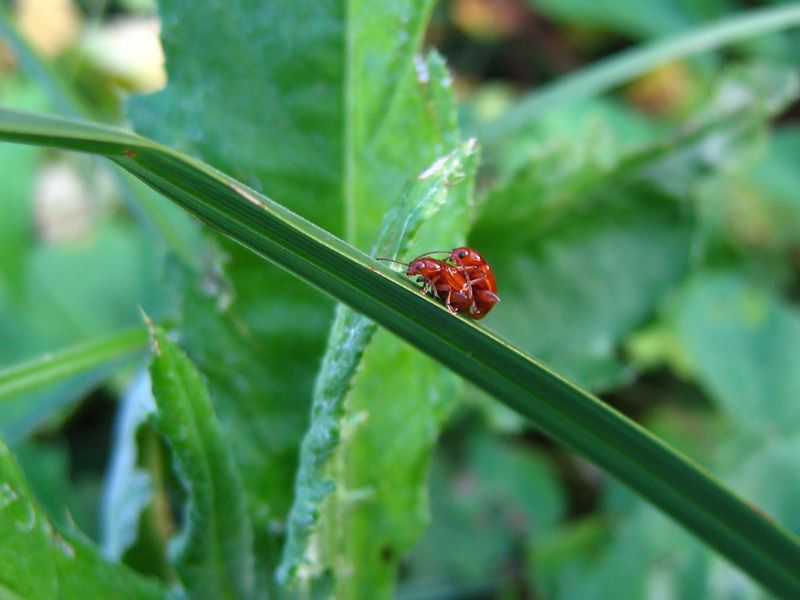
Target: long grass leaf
[
  {"x": 51, "y": 368},
  {"x": 607, "y": 74},
  {"x": 769, "y": 553}
]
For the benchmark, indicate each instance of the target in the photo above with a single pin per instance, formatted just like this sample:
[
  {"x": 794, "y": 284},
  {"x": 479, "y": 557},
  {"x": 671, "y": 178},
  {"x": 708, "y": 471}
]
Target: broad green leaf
[
  {"x": 562, "y": 410},
  {"x": 741, "y": 340},
  {"x": 490, "y": 499},
  {"x": 571, "y": 295},
  {"x": 39, "y": 562},
  {"x": 589, "y": 255},
  {"x": 312, "y": 124},
  {"x": 606, "y": 127},
  {"x": 214, "y": 552}
]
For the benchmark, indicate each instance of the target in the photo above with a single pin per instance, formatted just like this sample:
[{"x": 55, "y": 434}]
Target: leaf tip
[{"x": 154, "y": 333}]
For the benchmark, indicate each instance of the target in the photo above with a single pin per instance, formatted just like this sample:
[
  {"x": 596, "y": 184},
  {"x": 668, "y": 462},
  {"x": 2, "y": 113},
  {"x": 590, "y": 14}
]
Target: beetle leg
[
  {"x": 474, "y": 281},
  {"x": 432, "y": 283},
  {"x": 449, "y": 306}
]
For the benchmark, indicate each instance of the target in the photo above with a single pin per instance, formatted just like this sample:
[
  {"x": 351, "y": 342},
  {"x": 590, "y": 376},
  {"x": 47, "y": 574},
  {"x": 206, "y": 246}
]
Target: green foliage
[
  {"x": 38, "y": 561},
  {"x": 43, "y": 310},
  {"x": 741, "y": 336},
  {"x": 607, "y": 240},
  {"x": 658, "y": 17},
  {"x": 267, "y": 131},
  {"x": 643, "y": 250},
  {"x": 346, "y": 426},
  {"x": 558, "y": 407},
  {"x": 500, "y": 495}
]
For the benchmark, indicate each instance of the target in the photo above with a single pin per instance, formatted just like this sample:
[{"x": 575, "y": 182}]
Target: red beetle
[
  {"x": 480, "y": 277},
  {"x": 445, "y": 281},
  {"x": 467, "y": 286}
]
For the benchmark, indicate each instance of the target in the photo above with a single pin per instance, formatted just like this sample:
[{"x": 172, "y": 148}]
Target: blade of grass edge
[
  {"x": 607, "y": 74},
  {"x": 50, "y": 368},
  {"x": 762, "y": 548}
]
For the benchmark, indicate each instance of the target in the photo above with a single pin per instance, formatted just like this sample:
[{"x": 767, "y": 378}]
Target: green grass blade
[
  {"x": 54, "y": 367},
  {"x": 606, "y": 74},
  {"x": 570, "y": 415}
]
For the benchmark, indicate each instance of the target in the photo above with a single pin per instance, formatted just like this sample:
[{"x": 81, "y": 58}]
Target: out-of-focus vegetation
[{"x": 646, "y": 245}]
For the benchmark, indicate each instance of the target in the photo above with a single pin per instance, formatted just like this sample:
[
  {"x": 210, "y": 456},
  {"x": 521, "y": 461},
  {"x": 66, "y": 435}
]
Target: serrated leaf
[
  {"x": 346, "y": 425},
  {"x": 39, "y": 562},
  {"x": 323, "y": 536},
  {"x": 214, "y": 552}
]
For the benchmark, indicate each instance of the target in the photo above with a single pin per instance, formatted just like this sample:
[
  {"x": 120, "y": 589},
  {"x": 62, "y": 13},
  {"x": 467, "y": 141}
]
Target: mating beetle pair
[{"x": 465, "y": 284}]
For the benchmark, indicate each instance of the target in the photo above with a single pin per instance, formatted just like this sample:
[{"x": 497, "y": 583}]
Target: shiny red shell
[
  {"x": 445, "y": 281},
  {"x": 466, "y": 284},
  {"x": 480, "y": 277}
]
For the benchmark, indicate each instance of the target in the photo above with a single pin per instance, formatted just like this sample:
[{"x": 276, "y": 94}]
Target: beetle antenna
[
  {"x": 434, "y": 252},
  {"x": 399, "y": 262}
]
